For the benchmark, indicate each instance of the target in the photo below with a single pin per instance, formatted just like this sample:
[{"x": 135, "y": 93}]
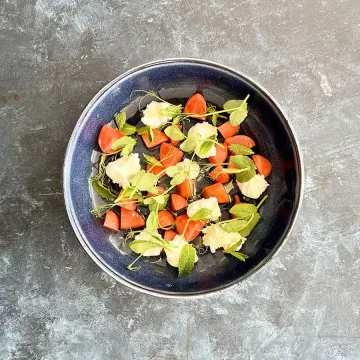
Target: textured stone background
[{"x": 55, "y": 302}]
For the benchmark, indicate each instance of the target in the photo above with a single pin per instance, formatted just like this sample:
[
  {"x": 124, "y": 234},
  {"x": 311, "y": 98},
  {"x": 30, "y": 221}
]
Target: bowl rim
[{"x": 66, "y": 178}]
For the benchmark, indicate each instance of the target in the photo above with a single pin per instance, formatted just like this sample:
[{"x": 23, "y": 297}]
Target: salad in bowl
[{"x": 198, "y": 188}]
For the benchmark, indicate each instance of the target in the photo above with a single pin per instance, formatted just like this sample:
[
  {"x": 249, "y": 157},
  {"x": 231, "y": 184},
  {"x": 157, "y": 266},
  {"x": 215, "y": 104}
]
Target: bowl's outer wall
[{"x": 266, "y": 124}]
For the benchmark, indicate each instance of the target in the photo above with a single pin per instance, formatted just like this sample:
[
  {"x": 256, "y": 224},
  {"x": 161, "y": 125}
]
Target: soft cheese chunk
[
  {"x": 254, "y": 187},
  {"x": 217, "y": 238},
  {"x": 122, "y": 170},
  {"x": 152, "y": 116}
]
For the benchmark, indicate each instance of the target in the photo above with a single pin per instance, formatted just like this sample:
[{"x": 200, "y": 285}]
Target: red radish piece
[
  {"x": 177, "y": 202},
  {"x": 227, "y": 130},
  {"x": 166, "y": 218},
  {"x": 262, "y": 164},
  {"x": 218, "y": 191},
  {"x": 160, "y": 190},
  {"x": 219, "y": 176},
  {"x": 170, "y": 155},
  {"x": 107, "y": 137},
  {"x": 111, "y": 221},
  {"x": 169, "y": 235},
  {"x": 176, "y": 142},
  {"x": 186, "y": 188},
  {"x": 240, "y": 140},
  {"x": 159, "y": 137},
  {"x": 196, "y": 105},
  {"x": 130, "y": 219},
  {"x": 221, "y": 154},
  {"x": 192, "y": 230}
]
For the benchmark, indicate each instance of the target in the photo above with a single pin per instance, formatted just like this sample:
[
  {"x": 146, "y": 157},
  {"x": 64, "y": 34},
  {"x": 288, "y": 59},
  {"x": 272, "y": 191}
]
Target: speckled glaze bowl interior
[{"x": 266, "y": 124}]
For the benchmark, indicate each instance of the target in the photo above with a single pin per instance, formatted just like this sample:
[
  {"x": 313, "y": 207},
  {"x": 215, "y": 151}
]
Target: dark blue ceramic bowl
[{"x": 266, "y": 124}]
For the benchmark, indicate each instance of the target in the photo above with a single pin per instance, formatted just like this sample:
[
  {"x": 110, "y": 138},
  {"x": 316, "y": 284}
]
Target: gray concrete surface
[{"x": 55, "y": 302}]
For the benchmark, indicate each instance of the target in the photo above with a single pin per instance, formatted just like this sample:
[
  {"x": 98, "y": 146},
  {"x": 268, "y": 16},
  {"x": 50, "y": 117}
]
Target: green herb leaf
[
  {"x": 101, "y": 189},
  {"x": 243, "y": 211},
  {"x": 190, "y": 143},
  {"x": 233, "y": 247},
  {"x": 214, "y": 116},
  {"x": 120, "y": 143},
  {"x": 233, "y": 104},
  {"x": 128, "y": 191},
  {"x": 146, "y": 129},
  {"x": 120, "y": 119},
  {"x": 176, "y": 119},
  {"x": 151, "y": 160},
  {"x": 207, "y": 144},
  {"x": 152, "y": 222},
  {"x": 250, "y": 226},
  {"x": 178, "y": 179},
  {"x": 231, "y": 171},
  {"x": 201, "y": 214},
  {"x": 172, "y": 171},
  {"x": 141, "y": 246},
  {"x": 238, "y": 116},
  {"x": 144, "y": 181},
  {"x": 128, "y": 148},
  {"x": 174, "y": 133},
  {"x": 128, "y": 129},
  {"x": 238, "y": 149},
  {"x": 237, "y": 110},
  {"x": 171, "y": 111},
  {"x": 238, "y": 255},
  {"x": 234, "y": 225},
  {"x": 186, "y": 260},
  {"x": 157, "y": 202},
  {"x": 244, "y": 163}
]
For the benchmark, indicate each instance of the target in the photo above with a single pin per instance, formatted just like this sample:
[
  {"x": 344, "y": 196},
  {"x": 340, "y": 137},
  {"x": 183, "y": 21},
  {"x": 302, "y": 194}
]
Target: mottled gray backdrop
[{"x": 56, "y": 304}]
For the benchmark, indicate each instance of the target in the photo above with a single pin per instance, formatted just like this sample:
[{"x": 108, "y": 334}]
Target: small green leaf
[
  {"x": 146, "y": 129},
  {"x": 231, "y": 171},
  {"x": 190, "y": 143},
  {"x": 157, "y": 202},
  {"x": 244, "y": 163},
  {"x": 238, "y": 116},
  {"x": 152, "y": 222},
  {"x": 176, "y": 119},
  {"x": 233, "y": 104},
  {"x": 243, "y": 211},
  {"x": 144, "y": 181},
  {"x": 120, "y": 119},
  {"x": 234, "y": 247},
  {"x": 120, "y": 143},
  {"x": 238, "y": 255},
  {"x": 128, "y": 148},
  {"x": 178, "y": 179},
  {"x": 128, "y": 129},
  {"x": 214, "y": 116},
  {"x": 186, "y": 260},
  {"x": 201, "y": 214},
  {"x": 101, "y": 189},
  {"x": 151, "y": 160},
  {"x": 250, "y": 226},
  {"x": 207, "y": 144},
  {"x": 128, "y": 191},
  {"x": 234, "y": 225},
  {"x": 174, "y": 133},
  {"x": 238, "y": 149},
  {"x": 141, "y": 246},
  {"x": 172, "y": 171},
  {"x": 171, "y": 111}
]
